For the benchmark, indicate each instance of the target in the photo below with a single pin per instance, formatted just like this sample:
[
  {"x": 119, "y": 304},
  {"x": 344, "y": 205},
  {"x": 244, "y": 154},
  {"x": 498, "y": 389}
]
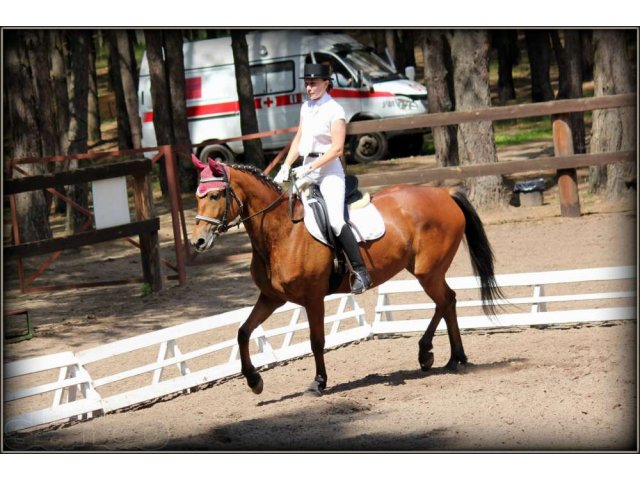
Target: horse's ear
[
  {"x": 197, "y": 163},
  {"x": 217, "y": 168}
]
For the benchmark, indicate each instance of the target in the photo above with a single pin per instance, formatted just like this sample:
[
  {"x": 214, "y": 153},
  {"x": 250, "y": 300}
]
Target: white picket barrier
[
  {"x": 75, "y": 375},
  {"x": 72, "y": 380},
  {"x": 74, "y": 369},
  {"x": 384, "y": 322}
]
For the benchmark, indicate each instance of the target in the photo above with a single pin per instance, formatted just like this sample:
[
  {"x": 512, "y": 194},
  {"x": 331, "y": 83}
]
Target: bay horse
[{"x": 424, "y": 228}]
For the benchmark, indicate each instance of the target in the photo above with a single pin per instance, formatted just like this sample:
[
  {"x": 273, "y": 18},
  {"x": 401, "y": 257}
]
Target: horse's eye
[{"x": 214, "y": 196}]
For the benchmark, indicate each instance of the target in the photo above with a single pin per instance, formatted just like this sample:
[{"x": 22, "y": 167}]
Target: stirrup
[{"x": 361, "y": 282}]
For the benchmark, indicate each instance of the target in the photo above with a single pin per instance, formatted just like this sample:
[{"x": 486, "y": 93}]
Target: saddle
[{"x": 353, "y": 198}]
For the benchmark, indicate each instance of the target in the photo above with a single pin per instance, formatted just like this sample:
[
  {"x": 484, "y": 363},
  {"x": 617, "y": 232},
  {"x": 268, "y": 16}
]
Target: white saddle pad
[{"x": 367, "y": 219}]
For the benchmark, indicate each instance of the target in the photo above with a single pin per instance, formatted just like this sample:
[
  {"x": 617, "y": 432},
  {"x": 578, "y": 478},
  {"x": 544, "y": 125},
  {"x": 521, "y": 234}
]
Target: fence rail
[{"x": 76, "y": 391}]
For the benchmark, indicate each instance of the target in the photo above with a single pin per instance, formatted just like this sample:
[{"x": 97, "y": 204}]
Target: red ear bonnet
[
  {"x": 197, "y": 163},
  {"x": 213, "y": 176}
]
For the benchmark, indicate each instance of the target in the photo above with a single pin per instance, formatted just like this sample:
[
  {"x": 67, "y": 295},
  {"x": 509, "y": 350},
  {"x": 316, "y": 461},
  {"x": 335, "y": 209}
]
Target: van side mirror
[{"x": 410, "y": 73}]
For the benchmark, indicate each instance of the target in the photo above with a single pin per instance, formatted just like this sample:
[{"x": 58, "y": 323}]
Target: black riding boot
[{"x": 362, "y": 281}]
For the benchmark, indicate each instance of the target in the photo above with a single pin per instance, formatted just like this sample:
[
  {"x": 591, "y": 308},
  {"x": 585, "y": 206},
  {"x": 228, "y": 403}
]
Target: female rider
[{"x": 320, "y": 141}]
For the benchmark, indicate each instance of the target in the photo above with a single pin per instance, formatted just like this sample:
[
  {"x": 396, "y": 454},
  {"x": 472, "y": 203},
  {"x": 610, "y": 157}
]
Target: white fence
[
  {"x": 73, "y": 376},
  {"x": 538, "y": 313},
  {"x": 100, "y": 380}
]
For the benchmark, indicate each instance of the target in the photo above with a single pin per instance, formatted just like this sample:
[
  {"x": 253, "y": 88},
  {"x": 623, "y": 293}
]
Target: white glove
[
  {"x": 302, "y": 183},
  {"x": 283, "y": 175},
  {"x": 300, "y": 172}
]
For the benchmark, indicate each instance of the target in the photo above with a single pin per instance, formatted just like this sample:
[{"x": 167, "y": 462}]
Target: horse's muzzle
[{"x": 203, "y": 242}]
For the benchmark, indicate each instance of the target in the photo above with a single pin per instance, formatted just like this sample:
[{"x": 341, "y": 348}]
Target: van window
[
  {"x": 340, "y": 75},
  {"x": 273, "y": 78}
]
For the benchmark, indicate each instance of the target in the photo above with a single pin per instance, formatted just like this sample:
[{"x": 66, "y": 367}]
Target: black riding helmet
[{"x": 317, "y": 70}]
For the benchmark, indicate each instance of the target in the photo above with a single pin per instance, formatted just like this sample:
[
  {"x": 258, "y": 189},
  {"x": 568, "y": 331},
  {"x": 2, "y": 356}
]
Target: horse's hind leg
[{"x": 445, "y": 300}]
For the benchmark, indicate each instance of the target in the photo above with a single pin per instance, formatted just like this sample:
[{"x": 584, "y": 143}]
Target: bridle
[{"x": 222, "y": 226}]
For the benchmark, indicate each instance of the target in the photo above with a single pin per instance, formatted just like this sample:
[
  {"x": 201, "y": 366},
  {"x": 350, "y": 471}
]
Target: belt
[{"x": 315, "y": 154}]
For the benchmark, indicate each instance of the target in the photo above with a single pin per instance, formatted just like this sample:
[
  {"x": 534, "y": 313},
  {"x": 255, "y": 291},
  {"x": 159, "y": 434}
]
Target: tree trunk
[
  {"x": 379, "y": 43},
  {"x": 59, "y": 59},
  {"x": 571, "y": 68},
  {"x": 539, "y": 51},
  {"x": 470, "y": 54},
  {"x": 436, "y": 72},
  {"x": 248, "y": 120},
  {"x": 506, "y": 42},
  {"x": 129, "y": 85},
  {"x": 175, "y": 68},
  {"x": 408, "y": 44},
  {"x": 124, "y": 127},
  {"x": 94, "y": 107},
  {"x": 159, "y": 96},
  {"x": 78, "y": 124},
  {"x": 37, "y": 44},
  {"x": 391, "y": 41},
  {"x": 612, "y": 129},
  {"x": 586, "y": 41},
  {"x": 32, "y": 208}
]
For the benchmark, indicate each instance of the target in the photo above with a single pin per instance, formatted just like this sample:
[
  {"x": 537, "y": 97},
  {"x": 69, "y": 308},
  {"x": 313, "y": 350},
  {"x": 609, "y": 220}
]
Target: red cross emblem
[{"x": 268, "y": 102}]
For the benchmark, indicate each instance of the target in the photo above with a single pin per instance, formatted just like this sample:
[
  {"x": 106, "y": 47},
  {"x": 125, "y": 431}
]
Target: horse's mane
[{"x": 256, "y": 172}]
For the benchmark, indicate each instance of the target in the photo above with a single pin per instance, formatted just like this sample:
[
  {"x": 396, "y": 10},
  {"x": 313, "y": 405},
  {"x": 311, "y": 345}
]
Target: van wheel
[
  {"x": 406, "y": 145},
  {"x": 369, "y": 147},
  {"x": 221, "y": 153}
]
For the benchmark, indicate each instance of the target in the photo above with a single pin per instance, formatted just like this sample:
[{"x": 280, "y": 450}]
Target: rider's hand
[
  {"x": 283, "y": 175},
  {"x": 301, "y": 172},
  {"x": 302, "y": 183}
]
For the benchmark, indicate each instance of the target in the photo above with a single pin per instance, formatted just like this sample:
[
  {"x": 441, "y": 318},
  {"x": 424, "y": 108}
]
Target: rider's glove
[
  {"x": 301, "y": 174},
  {"x": 283, "y": 175}
]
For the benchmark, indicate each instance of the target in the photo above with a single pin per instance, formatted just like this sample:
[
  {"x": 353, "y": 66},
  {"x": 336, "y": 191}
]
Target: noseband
[{"x": 229, "y": 195}]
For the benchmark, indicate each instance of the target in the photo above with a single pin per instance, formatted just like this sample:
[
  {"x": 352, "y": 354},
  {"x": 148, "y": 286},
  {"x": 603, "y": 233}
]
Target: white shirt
[{"x": 316, "y": 117}]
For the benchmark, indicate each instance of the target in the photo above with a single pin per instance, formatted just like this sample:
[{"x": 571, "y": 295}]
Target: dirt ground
[{"x": 558, "y": 388}]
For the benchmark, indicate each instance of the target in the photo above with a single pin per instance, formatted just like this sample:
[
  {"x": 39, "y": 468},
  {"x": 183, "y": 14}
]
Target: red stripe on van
[
  {"x": 281, "y": 101},
  {"x": 344, "y": 93},
  {"x": 285, "y": 100}
]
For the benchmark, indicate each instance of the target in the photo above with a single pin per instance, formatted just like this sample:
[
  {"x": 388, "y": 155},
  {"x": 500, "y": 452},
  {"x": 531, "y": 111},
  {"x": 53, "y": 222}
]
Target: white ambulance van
[{"x": 366, "y": 87}]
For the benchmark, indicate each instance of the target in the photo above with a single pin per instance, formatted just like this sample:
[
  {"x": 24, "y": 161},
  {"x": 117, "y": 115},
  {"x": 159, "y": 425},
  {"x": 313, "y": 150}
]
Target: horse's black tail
[{"x": 480, "y": 253}]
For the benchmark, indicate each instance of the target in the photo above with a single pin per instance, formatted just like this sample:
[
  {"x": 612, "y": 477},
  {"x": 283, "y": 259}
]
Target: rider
[{"x": 320, "y": 140}]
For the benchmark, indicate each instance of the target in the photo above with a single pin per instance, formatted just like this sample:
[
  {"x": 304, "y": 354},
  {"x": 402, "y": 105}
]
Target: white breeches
[
  {"x": 332, "y": 189},
  {"x": 330, "y": 178}
]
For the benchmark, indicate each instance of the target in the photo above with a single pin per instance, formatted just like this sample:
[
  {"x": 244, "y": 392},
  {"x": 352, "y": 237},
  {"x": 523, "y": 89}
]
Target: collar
[{"x": 322, "y": 100}]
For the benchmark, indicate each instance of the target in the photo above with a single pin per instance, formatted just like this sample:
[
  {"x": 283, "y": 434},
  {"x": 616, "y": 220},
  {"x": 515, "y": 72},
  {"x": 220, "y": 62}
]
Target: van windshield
[{"x": 370, "y": 64}]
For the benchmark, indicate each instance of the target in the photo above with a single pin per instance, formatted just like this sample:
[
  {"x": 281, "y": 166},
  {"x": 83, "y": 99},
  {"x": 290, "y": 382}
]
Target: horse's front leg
[
  {"x": 315, "y": 314},
  {"x": 261, "y": 311}
]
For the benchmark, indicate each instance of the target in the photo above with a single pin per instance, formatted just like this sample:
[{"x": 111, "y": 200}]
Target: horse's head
[{"x": 216, "y": 205}]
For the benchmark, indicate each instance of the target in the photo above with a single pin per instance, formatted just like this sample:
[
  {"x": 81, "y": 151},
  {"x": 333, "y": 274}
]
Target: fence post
[
  {"x": 567, "y": 178},
  {"x": 149, "y": 242},
  {"x": 174, "y": 201}
]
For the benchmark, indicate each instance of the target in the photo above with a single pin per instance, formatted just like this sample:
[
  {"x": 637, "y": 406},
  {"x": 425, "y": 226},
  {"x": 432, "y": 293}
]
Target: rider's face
[{"x": 316, "y": 87}]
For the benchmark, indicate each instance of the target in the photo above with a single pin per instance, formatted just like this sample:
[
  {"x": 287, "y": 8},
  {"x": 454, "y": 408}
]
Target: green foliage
[
  {"x": 146, "y": 289},
  {"x": 537, "y": 132}
]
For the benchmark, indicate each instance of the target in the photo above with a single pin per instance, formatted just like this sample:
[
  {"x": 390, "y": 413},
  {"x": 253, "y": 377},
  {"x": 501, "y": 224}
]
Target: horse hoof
[
  {"x": 257, "y": 388},
  {"x": 313, "y": 390},
  {"x": 427, "y": 361}
]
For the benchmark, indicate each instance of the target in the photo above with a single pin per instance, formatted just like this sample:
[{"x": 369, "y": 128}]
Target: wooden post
[
  {"x": 174, "y": 199},
  {"x": 149, "y": 242},
  {"x": 567, "y": 178}
]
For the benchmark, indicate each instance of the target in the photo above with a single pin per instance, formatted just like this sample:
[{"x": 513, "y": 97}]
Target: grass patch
[{"x": 532, "y": 134}]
